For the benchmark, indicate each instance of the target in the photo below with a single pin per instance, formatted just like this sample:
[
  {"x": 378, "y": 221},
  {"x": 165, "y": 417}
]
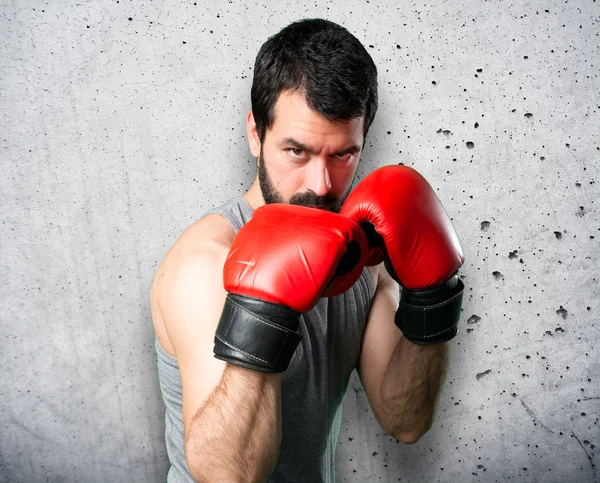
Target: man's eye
[
  {"x": 343, "y": 156},
  {"x": 295, "y": 151}
]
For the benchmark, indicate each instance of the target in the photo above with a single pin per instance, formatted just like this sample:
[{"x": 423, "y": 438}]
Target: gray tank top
[{"x": 312, "y": 388}]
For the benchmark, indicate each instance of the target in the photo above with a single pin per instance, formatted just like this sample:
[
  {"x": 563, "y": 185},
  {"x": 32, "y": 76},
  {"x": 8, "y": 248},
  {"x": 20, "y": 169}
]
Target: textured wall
[{"x": 121, "y": 122}]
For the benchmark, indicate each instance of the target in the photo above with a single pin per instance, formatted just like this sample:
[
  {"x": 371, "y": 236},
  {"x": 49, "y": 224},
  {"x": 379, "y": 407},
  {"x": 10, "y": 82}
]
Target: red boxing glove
[
  {"x": 407, "y": 226},
  {"x": 280, "y": 263}
]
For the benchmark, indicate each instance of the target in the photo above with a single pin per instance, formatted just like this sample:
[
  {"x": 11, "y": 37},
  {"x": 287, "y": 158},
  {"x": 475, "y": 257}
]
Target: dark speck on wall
[
  {"x": 483, "y": 374},
  {"x": 474, "y": 319}
]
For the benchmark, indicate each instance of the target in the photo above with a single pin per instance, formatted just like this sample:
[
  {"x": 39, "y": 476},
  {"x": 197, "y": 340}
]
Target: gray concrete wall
[{"x": 121, "y": 122}]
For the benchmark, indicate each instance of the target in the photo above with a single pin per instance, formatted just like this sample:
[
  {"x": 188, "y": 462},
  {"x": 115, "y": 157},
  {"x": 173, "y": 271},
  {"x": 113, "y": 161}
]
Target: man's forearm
[
  {"x": 411, "y": 386},
  {"x": 236, "y": 436}
]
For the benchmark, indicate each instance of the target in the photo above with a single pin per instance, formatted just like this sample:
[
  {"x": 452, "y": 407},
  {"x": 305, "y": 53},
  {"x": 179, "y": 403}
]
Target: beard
[{"x": 329, "y": 202}]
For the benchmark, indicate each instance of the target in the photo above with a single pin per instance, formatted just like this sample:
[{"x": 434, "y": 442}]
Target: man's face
[{"x": 306, "y": 159}]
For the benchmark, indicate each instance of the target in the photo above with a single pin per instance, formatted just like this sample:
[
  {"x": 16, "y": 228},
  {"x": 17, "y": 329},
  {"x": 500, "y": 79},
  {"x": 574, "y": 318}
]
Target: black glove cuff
[
  {"x": 430, "y": 316},
  {"x": 256, "y": 334}
]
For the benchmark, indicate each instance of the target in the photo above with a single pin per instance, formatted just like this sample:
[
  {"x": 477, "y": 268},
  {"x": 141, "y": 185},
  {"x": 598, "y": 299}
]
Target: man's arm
[
  {"x": 402, "y": 380},
  {"x": 411, "y": 387},
  {"x": 231, "y": 415}
]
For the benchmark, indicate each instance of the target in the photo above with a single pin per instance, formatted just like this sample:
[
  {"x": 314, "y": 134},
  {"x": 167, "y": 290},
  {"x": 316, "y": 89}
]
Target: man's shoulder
[
  {"x": 205, "y": 241},
  {"x": 195, "y": 260},
  {"x": 210, "y": 231}
]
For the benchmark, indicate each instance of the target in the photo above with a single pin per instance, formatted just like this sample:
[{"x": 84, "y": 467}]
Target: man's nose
[{"x": 318, "y": 178}]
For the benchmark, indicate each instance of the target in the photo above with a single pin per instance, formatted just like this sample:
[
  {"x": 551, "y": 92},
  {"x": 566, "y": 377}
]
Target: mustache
[{"x": 328, "y": 202}]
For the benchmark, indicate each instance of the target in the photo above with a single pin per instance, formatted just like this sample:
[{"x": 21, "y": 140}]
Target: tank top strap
[{"x": 237, "y": 211}]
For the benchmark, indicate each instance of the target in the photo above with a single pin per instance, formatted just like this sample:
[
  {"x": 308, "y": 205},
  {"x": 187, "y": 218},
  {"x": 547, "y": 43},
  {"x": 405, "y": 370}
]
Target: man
[{"x": 243, "y": 404}]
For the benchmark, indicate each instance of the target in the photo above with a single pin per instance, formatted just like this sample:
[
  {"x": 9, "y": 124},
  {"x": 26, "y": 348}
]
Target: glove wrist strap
[
  {"x": 430, "y": 316},
  {"x": 256, "y": 334}
]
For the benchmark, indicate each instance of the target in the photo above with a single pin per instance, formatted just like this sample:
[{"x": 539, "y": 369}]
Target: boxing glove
[
  {"x": 408, "y": 228},
  {"x": 280, "y": 263}
]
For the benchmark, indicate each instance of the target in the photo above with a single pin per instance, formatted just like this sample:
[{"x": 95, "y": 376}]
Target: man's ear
[{"x": 253, "y": 138}]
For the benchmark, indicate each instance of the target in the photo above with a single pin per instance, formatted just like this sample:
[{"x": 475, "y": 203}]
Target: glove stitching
[
  {"x": 231, "y": 346},
  {"x": 440, "y": 332},
  {"x": 256, "y": 317},
  {"x": 431, "y": 307},
  {"x": 270, "y": 363},
  {"x": 248, "y": 365},
  {"x": 252, "y": 315}
]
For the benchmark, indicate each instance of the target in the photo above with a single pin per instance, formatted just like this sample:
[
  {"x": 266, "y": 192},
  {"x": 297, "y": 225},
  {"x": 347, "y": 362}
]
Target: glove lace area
[
  {"x": 431, "y": 315},
  {"x": 256, "y": 334}
]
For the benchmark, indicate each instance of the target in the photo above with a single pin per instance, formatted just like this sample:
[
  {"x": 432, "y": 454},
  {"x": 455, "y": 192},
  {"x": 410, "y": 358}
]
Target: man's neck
[{"x": 254, "y": 196}]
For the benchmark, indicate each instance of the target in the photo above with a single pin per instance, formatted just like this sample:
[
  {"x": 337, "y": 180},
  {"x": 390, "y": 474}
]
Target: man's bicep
[{"x": 191, "y": 308}]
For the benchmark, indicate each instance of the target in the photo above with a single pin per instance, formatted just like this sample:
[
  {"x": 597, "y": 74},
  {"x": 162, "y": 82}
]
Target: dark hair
[{"x": 321, "y": 60}]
